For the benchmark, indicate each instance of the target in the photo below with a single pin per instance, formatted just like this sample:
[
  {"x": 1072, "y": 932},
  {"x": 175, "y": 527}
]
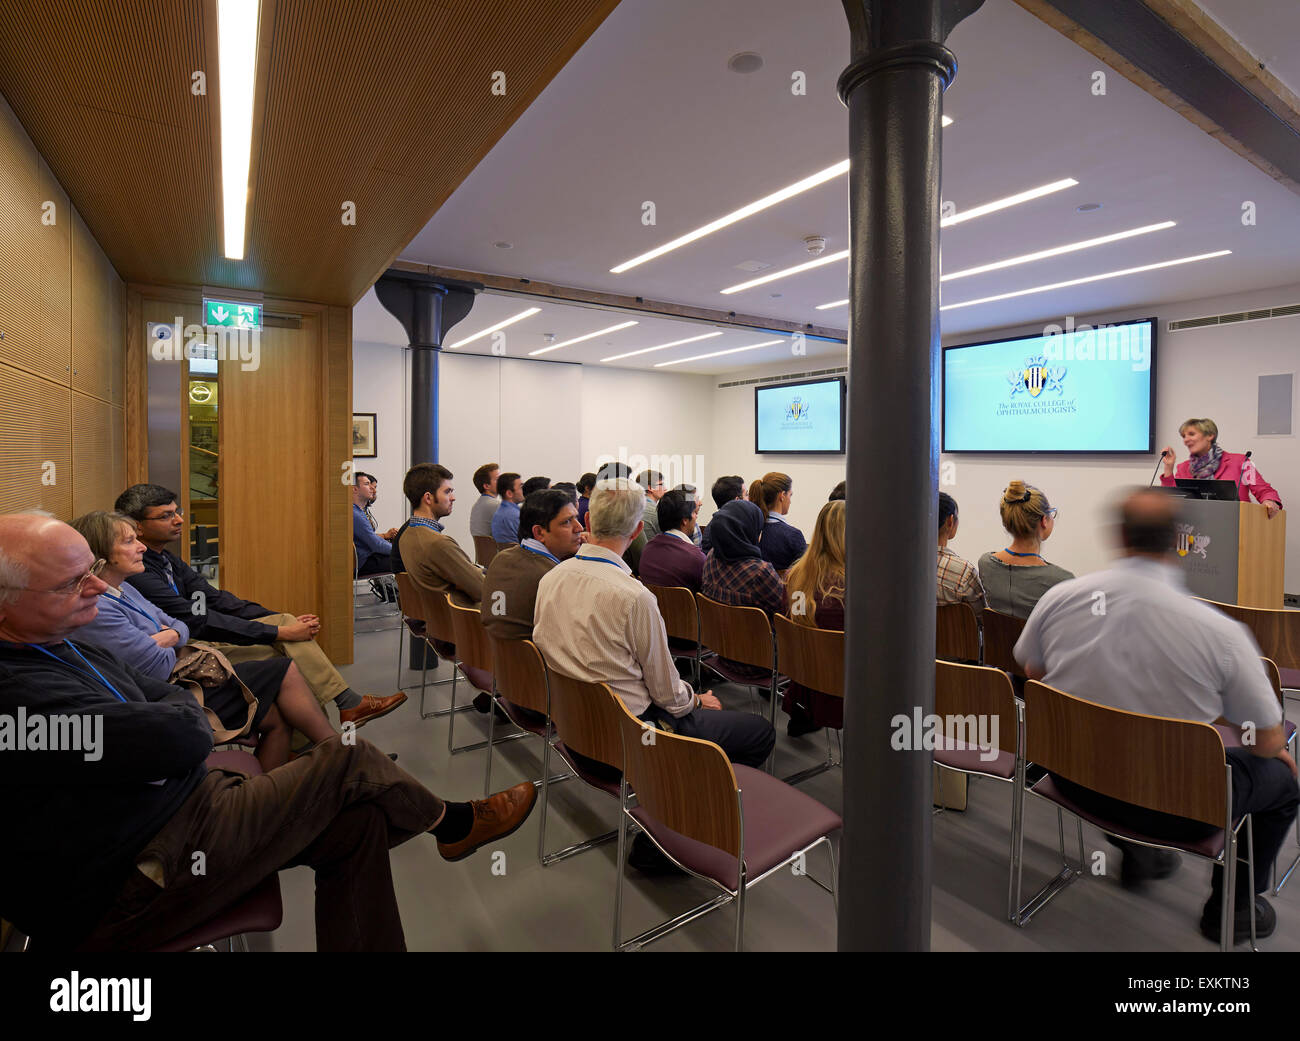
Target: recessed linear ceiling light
[
  {"x": 1010, "y": 200},
  {"x": 1090, "y": 278},
  {"x": 493, "y": 328},
  {"x": 718, "y": 354},
  {"x": 830, "y": 258},
  {"x": 1029, "y": 258},
  {"x": 821, "y": 177},
  {"x": 662, "y": 346},
  {"x": 237, "y": 68},
  {"x": 945, "y": 121},
  {"x": 579, "y": 339}
]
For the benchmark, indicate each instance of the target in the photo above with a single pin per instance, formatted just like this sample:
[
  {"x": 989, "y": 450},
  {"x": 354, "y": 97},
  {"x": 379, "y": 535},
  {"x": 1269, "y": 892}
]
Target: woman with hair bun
[
  {"x": 1016, "y": 577},
  {"x": 782, "y": 543}
]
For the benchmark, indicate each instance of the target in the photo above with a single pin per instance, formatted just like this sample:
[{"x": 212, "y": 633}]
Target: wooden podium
[{"x": 1232, "y": 552}]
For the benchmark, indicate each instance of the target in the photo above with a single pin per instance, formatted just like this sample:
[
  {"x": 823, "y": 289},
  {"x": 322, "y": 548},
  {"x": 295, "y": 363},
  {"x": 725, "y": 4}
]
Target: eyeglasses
[
  {"x": 1051, "y": 514},
  {"x": 73, "y": 586},
  {"x": 165, "y": 516}
]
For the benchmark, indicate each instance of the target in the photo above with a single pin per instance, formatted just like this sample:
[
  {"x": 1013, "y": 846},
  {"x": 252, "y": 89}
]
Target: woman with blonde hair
[
  {"x": 1208, "y": 462},
  {"x": 782, "y": 543},
  {"x": 1016, "y": 577},
  {"x": 815, "y": 597}
]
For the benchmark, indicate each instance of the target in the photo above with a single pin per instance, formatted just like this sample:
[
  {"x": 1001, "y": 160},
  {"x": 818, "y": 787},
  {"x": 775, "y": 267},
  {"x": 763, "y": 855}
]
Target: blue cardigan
[{"x": 127, "y": 634}]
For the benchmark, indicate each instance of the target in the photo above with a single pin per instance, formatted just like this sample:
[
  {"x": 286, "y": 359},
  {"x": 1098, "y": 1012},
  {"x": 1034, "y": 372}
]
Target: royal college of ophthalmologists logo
[
  {"x": 1036, "y": 377},
  {"x": 797, "y": 409},
  {"x": 1191, "y": 542}
]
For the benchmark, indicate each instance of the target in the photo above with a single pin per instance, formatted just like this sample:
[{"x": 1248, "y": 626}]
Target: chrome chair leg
[
  {"x": 619, "y": 862},
  {"x": 1250, "y": 876}
]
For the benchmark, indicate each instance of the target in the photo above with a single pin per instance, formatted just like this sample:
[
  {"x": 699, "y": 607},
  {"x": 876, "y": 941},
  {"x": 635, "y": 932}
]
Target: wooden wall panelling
[
  {"x": 98, "y": 437},
  {"x": 97, "y": 354},
  {"x": 19, "y": 219},
  {"x": 271, "y": 484},
  {"x": 337, "y": 450},
  {"x": 53, "y": 230},
  {"x": 35, "y": 430}
]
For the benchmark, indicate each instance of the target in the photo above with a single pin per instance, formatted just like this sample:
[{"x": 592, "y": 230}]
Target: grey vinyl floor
[{"x": 568, "y": 906}]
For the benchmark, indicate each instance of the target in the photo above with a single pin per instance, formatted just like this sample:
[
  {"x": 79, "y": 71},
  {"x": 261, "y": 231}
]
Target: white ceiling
[{"x": 647, "y": 110}]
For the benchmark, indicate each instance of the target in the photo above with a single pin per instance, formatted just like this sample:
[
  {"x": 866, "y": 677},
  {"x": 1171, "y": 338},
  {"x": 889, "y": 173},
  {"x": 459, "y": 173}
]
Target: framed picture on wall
[{"x": 364, "y": 440}]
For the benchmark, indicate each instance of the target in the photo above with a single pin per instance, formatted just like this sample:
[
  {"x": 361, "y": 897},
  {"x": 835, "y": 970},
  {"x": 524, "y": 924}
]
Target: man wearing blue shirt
[
  {"x": 505, "y": 522},
  {"x": 373, "y": 550}
]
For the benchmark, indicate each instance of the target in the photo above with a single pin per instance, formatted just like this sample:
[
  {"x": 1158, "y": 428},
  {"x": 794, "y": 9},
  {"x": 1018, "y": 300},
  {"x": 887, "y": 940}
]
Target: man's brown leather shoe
[
  {"x": 371, "y": 707},
  {"x": 494, "y": 818}
]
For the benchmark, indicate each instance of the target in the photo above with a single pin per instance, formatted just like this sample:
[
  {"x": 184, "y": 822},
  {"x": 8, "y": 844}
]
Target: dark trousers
[
  {"x": 339, "y": 809},
  {"x": 745, "y": 737},
  {"x": 1264, "y": 788},
  {"x": 376, "y": 564}
]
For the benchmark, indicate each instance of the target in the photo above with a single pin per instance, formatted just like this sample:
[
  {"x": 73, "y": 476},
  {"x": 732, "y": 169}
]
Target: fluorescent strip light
[
  {"x": 579, "y": 339},
  {"x": 662, "y": 346},
  {"x": 718, "y": 354},
  {"x": 493, "y": 328},
  {"x": 237, "y": 68},
  {"x": 830, "y": 258},
  {"x": 1029, "y": 258},
  {"x": 1090, "y": 278},
  {"x": 833, "y": 303},
  {"x": 788, "y": 192},
  {"x": 1010, "y": 200},
  {"x": 946, "y": 121}
]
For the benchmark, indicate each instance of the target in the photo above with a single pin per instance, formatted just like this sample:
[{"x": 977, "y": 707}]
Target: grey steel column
[
  {"x": 893, "y": 89},
  {"x": 427, "y": 308}
]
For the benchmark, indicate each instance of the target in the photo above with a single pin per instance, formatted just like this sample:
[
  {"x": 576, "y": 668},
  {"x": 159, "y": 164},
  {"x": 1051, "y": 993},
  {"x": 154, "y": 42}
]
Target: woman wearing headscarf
[
  {"x": 735, "y": 573},
  {"x": 1208, "y": 462}
]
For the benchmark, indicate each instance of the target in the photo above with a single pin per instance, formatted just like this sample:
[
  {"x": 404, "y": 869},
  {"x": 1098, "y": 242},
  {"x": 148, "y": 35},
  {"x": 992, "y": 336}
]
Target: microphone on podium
[{"x": 1163, "y": 454}]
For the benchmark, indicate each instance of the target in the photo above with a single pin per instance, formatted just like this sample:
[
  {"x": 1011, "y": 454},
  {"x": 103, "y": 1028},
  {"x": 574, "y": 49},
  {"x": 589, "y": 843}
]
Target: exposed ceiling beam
[
  {"x": 1179, "y": 55},
  {"x": 568, "y": 294}
]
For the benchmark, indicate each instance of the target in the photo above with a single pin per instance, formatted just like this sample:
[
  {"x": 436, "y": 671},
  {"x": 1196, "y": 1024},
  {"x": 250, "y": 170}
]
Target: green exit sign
[{"x": 232, "y": 314}]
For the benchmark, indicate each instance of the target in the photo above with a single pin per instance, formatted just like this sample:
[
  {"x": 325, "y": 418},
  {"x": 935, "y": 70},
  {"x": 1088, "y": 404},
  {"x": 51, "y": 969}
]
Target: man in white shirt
[
  {"x": 1132, "y": 638},
  {"x": 595, "y": 622}
]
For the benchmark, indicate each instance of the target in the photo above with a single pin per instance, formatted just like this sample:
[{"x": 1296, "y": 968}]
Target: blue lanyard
[
  {"x": 1015, "y": 554},
  {"x": 122, "y": 601},
  {"x": 68, "y": 664},
  {"x": 543, "y": 553},
  {"x": 599, "y": 560}
]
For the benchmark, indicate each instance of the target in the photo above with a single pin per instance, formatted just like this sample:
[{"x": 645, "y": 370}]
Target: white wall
[{"x": 378, "y": 386}]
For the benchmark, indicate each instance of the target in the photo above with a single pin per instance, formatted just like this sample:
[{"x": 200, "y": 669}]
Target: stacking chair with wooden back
[
  {"x": 812, "y": 658},
  {"x": 414, "y": 616},
  {"x": 968, "y": 694},
  {"x": 485, "y": 548},
  {"x": 1167, "y": 765},
  {"x": 1278, "y": 634},
  {"x": 689, "y": 802},
  {"x": 742, "y": 634},
  {"x": 682, "y": 621},
  {"x": 474, "y": 659},
  {"x": 957, "y": 633},
  {"x": 1001, "y": 631},
  {"x": 587, "y": 722}
]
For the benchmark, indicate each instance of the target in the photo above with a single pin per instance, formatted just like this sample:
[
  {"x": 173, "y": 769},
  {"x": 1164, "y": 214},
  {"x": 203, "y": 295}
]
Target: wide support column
[
  {"x": 893, "y": 90},
  {"x": 427, "y": 308}
]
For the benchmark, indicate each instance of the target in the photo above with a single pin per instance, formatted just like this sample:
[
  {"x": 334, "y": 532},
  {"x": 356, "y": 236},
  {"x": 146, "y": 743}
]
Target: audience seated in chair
[
  {"x": 535, "y": 484},
  {"x": 672, "y": 557},
  {"x": 505, "y": 521},
  {"x": 137, "y": 633},
  {"x": 485, "y": 506},
  {"x": 241, "y": 629},
  {"x": 653, "y": 483},
  {"x": 837, "y": 493},
  {"x": 783, "y": 543},
  {"x": 373, "y": 551},
  {"x": 584, "y": 485},
  {"x": 735, "y": 572},
  {"x": 1014, "y": 578},
  {"x": 595, "y": 622},
  {"x": 100, "y": 835},
  {"x": 815, "y": 594},
  {"x": 1152, "y": 648},
  {"x": 959, "y": 582},
  {"x": 724, "y": 490}
]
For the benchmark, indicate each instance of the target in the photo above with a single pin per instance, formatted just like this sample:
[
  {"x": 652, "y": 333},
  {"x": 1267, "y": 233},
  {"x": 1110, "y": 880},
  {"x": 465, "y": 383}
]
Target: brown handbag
[{"x": 199, "y": 668}]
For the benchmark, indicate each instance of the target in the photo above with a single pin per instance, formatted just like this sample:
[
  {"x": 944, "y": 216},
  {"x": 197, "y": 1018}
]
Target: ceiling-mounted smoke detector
[
  {"x": 815, "y": 245},
  {"x": 548, "y": 337}
]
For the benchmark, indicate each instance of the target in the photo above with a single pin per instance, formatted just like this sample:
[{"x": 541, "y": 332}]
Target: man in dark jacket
[
  {"x": 107, "y": 801},
  {"x": 241, "y": 629}
]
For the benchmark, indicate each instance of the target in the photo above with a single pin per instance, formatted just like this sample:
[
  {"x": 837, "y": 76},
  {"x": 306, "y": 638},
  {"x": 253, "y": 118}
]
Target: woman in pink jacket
[{"x": 1210, "y": 462}]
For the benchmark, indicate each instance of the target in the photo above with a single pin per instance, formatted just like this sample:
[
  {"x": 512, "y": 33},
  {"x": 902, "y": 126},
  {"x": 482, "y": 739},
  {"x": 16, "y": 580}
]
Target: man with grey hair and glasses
[
  {"x": 99, "y": 843},
  {"x": 595, "y": 622}
]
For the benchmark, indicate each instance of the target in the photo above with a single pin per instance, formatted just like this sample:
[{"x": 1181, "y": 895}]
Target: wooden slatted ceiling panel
[
  {"x": 98, "y": 435},
  {"x": 385, "y": 103},
  {"x": 35, "y": 429}
]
